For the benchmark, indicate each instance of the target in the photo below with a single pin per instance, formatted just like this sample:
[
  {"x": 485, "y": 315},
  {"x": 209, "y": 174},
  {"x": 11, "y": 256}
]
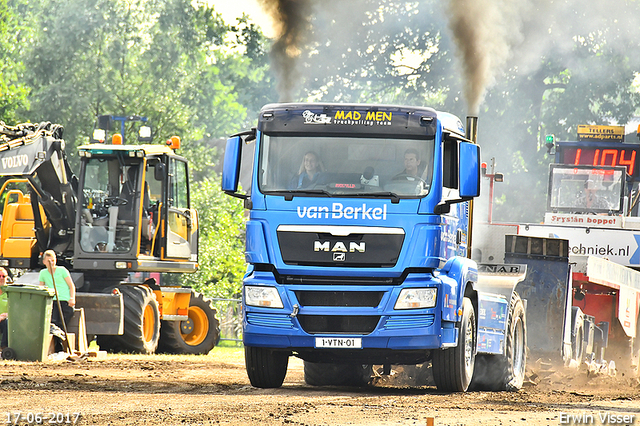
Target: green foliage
[
  {"x": 13, "y": 93},
  {"x": 221, "y": 252},
  {"x": 173, "y": 61},
  {"x": 159, "y": 59}
]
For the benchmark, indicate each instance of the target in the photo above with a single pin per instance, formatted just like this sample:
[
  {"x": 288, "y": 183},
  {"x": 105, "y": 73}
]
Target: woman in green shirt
[{"x": 64, "y": 287}]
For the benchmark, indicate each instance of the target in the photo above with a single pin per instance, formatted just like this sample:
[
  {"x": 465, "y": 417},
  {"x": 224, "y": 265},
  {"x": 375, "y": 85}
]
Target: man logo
[
  {"x": 339, "y": 257},
  {"x": 339, "y": 246}
]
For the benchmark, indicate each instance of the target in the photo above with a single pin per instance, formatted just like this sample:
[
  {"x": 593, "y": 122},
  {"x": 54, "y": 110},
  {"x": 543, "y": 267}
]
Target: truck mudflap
[
  {"x": 496, "y": 284},
  {"x": 492, "y": 317}
]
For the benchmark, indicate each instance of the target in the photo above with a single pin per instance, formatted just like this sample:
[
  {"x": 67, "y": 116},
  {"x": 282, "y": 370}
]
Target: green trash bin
[{"x": 29, "y": 316}]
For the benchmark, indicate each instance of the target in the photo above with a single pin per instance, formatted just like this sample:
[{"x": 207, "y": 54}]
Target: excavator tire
[
  {"x": 195, "y": 336},
  {"x": 141, "y": 322}
]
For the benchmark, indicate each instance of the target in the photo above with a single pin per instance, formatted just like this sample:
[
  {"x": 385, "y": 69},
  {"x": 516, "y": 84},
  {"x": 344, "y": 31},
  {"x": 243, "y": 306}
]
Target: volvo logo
[{"x": 339, "y": 246}]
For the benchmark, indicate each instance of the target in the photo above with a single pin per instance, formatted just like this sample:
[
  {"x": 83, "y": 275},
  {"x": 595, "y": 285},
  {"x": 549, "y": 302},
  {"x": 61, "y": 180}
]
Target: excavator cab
[{"x": 134, "y": 210}]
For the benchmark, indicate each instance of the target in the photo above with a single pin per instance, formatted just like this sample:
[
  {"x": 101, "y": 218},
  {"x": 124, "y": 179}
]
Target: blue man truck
[{"x": 358, "y": 244}]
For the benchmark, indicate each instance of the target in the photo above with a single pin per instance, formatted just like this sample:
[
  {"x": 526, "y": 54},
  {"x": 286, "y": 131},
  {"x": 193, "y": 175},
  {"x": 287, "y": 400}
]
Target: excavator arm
[{"x": 35, "y": 152}]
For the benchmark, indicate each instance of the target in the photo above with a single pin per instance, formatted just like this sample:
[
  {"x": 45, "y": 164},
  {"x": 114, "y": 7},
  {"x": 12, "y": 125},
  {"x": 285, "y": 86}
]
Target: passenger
[
  {"x": 411, "y": 166},
  {"x": 310, "y": 170},
  {"x": 3, "y": 309},
  {"x": 66, "y": 291}
]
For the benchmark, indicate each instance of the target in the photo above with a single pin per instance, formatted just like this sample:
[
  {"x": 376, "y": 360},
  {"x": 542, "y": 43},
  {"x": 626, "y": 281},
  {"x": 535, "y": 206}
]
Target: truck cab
[{"x": 357, "y": 242}]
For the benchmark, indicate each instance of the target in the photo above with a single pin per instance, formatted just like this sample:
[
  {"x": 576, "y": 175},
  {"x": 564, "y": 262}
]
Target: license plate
[{"x": 339, "y": 342}]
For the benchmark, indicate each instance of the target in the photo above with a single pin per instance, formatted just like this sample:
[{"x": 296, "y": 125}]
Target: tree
[
  {"x": 221, "y": 251},
  {"x": 12, "y": 91},
  {"x": 168, "y": 61}
]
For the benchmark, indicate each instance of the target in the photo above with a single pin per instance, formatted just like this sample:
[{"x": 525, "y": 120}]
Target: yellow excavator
[{"x": 116, "y": 225}]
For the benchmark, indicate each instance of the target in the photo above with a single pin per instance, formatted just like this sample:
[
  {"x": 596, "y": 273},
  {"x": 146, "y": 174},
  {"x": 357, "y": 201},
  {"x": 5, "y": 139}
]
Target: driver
[
  {"x": 310, "y": 170},
  {"x": 411, "y": 166}
]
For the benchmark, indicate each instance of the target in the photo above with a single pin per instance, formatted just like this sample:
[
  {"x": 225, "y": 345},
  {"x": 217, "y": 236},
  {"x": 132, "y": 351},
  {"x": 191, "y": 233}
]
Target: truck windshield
[
  {"x": 346, "y": 166},
  {"x": 576, "y": 189}
]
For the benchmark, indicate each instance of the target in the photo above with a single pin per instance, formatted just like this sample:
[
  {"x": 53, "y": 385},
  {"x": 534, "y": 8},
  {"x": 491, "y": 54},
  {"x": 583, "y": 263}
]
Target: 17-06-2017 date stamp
[{"x": 17, "y": 418}]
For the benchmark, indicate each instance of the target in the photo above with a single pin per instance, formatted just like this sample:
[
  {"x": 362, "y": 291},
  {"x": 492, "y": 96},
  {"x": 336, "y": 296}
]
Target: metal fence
[{"x": 230, "y": 317}]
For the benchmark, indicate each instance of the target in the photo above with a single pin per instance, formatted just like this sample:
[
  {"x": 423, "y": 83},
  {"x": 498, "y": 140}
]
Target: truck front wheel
[
  {"x": 266, "y": 368},
  {"x": 453, "y": 367}
]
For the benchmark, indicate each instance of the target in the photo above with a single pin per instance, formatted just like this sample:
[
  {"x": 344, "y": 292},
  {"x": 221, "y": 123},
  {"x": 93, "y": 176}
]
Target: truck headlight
[
  {"x": 416, "y": 298},
  {"x": 265, "y": 297}
]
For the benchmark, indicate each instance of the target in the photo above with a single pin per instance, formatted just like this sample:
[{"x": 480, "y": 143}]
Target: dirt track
[{"x": 214, "y": 389}]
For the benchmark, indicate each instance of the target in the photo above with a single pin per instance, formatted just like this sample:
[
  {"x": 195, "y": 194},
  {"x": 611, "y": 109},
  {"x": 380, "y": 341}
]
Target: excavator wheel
[
  {"x": 195, "y": 336},
  {"x": 141, "y": 322}
]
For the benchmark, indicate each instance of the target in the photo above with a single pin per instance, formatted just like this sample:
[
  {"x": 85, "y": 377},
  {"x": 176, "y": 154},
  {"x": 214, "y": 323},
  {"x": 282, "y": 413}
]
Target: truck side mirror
[
  {"x": 231, "y": 167},
  {"x": 469, "y": 170}
]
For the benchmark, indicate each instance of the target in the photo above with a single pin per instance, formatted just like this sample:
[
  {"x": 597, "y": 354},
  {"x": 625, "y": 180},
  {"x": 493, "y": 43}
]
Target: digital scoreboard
[
  {"x": 600, "y": 146},
  {"x": 600, "y": 154}
]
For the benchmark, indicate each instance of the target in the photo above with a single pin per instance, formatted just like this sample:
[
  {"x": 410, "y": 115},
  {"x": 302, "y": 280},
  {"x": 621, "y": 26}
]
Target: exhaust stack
[
  {"x": 472, "y": 135},
  {"x": 472, "y": 129}
]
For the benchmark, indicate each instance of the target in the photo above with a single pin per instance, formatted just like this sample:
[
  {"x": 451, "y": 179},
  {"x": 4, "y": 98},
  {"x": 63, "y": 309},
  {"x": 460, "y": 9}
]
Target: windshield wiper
[
  {"x": 395, "y": 198},
  {"x": 289, "y": 194}
]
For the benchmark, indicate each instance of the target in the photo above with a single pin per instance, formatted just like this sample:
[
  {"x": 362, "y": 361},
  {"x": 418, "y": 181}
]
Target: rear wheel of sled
[
  {"x": 266, "y": 367},
  {"x": 321, "y": 374},
  {"x": 505, "y": 372},
  {"x": 453, "y": 367}
]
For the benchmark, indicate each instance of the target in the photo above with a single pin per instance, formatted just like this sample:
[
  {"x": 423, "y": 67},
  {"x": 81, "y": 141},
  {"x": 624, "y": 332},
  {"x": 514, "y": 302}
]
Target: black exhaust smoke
[
  {"x": 485, "y": 33},
  {"x": 292, "y": 22}
]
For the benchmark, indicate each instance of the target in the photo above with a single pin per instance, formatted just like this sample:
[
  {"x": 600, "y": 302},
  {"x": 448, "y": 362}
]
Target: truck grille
[
  {"x": 354, "y": 324},
  {"x": 269, "y": 320},
  {"x": 312, "y": 246},
  {"x": 369, "y": 299},
  {"x": 409, "y": 321}
]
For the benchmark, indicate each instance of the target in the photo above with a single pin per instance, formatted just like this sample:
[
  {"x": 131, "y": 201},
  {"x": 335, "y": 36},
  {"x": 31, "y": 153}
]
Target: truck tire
[
  {"x": 505, "y": 372},
  {"x": 266, "y": 367},
  {"x": 453, "y": 367},
  {"x": 195, "y": 336},
  {"x": 141, "y": 322},
  {"x": 577, "y": 343},
  {"x": 577, "y": 356},
  {"x": 320, "y": 374}
]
